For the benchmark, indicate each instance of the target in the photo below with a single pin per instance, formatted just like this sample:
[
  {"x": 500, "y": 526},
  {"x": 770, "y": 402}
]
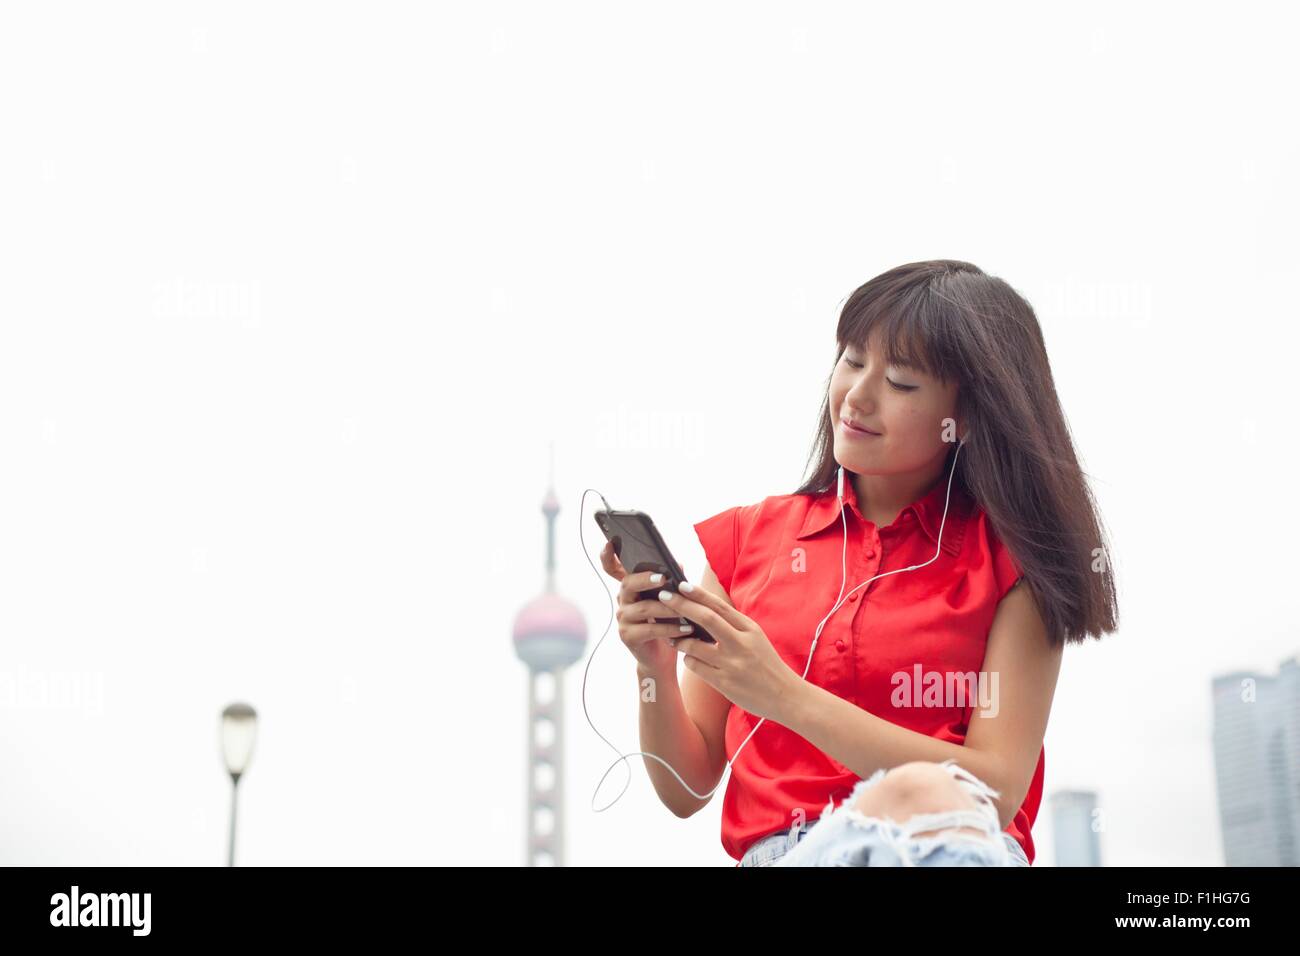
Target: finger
[
  {"x": 696, "y": 611},
  {"x": 702, "y": 651},
  {"x": 710, "y": 675},
  {"x": 649, "y": 611},
  {"x": 639, "y": 633},
  {"x": 694, "y": 593},
  {"x": 634, "y": 584},
  {"x": 610, "y": 562}
]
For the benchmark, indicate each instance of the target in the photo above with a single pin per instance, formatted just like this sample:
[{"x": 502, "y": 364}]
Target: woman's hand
[
  {"x": 743, "y": 666},
  {"x": 636, "y": 628}
]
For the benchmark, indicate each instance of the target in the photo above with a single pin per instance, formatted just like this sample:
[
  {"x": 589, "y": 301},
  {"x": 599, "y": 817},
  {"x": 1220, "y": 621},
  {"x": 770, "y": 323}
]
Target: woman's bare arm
[
  {"x": 685, "y": 724},
  {"x": 1004, "y": 739}
]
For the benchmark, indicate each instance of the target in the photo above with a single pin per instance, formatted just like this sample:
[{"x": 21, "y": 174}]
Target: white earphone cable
[{"x": 839, "y": 602}]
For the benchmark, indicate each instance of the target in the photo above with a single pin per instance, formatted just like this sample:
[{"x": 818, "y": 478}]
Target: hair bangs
[{"x": 910, "y": 328}]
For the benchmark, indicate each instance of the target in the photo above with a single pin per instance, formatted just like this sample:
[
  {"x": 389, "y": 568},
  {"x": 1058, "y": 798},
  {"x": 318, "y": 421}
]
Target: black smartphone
[{"x": 641, "y": 547}]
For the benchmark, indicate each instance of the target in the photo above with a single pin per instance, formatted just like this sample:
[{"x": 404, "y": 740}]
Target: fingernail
[
  {"x": 686, "y": 628},
  {"x": 665, "y": 595},
  {"x": 686, "y": 586},
  {"x": 656, "y": 578}
]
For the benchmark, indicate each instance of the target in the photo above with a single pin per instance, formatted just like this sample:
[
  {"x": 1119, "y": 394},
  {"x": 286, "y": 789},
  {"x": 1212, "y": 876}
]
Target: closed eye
[{"x": 901, "y": 388}]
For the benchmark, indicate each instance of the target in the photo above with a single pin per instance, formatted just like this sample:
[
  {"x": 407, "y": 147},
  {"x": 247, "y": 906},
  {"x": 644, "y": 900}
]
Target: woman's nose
[{"x": 861, "y": 397}]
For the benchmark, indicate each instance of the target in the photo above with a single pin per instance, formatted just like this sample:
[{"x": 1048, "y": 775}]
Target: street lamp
[{"x": 238, "y": 732}]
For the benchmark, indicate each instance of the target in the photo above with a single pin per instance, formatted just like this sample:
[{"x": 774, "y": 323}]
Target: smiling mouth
[{"x": 856, "y": 429}]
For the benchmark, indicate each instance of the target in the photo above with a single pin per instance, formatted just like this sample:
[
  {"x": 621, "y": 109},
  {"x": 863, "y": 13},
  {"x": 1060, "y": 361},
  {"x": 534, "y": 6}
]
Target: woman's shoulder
[
  {"x": 765, "y": 515},
  {"x": 750, "y": 528},
  {"x": 982, "y": 535}
]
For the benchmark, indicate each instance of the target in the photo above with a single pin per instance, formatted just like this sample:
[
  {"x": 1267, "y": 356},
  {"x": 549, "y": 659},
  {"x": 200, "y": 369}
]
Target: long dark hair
[{"x": 959, "y": 324}]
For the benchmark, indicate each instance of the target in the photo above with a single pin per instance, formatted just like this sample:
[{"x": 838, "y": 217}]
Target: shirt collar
[{"x": 928, "y": 511}]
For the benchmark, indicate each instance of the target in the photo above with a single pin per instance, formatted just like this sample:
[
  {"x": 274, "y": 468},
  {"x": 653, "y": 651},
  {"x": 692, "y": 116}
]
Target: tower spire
[{"x": 550, "y": 508}]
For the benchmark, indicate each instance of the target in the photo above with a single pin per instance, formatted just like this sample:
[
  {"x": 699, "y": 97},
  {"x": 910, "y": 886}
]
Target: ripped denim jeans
[{"x": 845, "y": 836}]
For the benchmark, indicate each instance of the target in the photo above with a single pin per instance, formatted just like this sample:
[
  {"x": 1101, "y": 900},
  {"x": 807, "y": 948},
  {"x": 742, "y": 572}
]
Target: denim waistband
[{"x": 772, "y": 846}]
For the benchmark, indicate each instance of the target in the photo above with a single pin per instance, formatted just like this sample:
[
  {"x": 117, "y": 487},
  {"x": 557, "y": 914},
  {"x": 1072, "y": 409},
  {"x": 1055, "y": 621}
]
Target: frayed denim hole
[
  {"x": 982, "y": 794},
  {"x": 938, "y": 819},
  {"x": 920, "y": 847},
  {"x": 992, "y": 846},
  {"x": 860, "y": 819},
  {"x": 954, "y": 819}
]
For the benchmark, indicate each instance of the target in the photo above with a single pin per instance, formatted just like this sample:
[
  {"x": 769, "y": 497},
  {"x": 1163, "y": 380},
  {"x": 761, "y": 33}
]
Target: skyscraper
[
  {"x": 1257, "y": 765},
  {"x": 1076, "y": 841}
]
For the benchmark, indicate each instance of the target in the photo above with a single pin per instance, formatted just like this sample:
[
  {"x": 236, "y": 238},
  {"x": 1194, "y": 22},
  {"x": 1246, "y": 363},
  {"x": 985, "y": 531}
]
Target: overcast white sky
[{"x": 294, "y": 299}]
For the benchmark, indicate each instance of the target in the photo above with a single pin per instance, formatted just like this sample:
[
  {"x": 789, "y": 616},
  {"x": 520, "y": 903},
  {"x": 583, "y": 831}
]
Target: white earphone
[{"x": 839, "y": 602}]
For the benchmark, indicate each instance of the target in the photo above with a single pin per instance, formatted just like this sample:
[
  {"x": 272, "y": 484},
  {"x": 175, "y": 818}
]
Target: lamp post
[{"x": 238, "y": 732}]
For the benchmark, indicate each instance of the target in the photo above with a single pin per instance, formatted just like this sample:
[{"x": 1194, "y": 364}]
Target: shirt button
[
  {"x": 853, "y": 597},
  {"x": 839, "y": 646},
  {"x": 871, "y": 553}
]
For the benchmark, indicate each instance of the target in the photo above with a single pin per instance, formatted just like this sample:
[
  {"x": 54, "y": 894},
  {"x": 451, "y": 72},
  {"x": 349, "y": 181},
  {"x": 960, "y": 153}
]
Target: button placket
[
  {"x": 868, "y": 567},
  {"x": 844, "y": 622}
]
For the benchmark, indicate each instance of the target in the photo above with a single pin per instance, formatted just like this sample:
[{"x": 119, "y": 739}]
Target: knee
[{"x": 915, "y": 787}]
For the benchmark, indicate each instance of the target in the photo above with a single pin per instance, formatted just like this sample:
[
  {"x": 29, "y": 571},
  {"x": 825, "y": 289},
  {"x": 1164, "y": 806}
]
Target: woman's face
[{"x": 906, "y": 407}]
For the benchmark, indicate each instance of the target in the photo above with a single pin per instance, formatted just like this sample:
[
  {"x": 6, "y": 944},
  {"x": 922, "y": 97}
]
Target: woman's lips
[{"x": 854, "y": 432}]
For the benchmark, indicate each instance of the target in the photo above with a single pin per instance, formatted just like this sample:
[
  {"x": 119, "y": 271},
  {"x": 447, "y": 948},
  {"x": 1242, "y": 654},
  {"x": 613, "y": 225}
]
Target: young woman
[{"x": 889, "y": 635}]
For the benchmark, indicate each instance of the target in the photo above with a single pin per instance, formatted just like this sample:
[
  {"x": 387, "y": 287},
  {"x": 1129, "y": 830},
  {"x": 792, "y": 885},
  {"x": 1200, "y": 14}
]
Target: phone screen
[
  {"x": 640, "y": 547},
  {"x": 637, "y": 546}
]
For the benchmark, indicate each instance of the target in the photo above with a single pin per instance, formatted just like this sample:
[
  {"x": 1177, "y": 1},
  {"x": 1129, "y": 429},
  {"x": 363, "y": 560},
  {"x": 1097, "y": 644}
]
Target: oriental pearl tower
[{"x": 550, "y": 634}]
